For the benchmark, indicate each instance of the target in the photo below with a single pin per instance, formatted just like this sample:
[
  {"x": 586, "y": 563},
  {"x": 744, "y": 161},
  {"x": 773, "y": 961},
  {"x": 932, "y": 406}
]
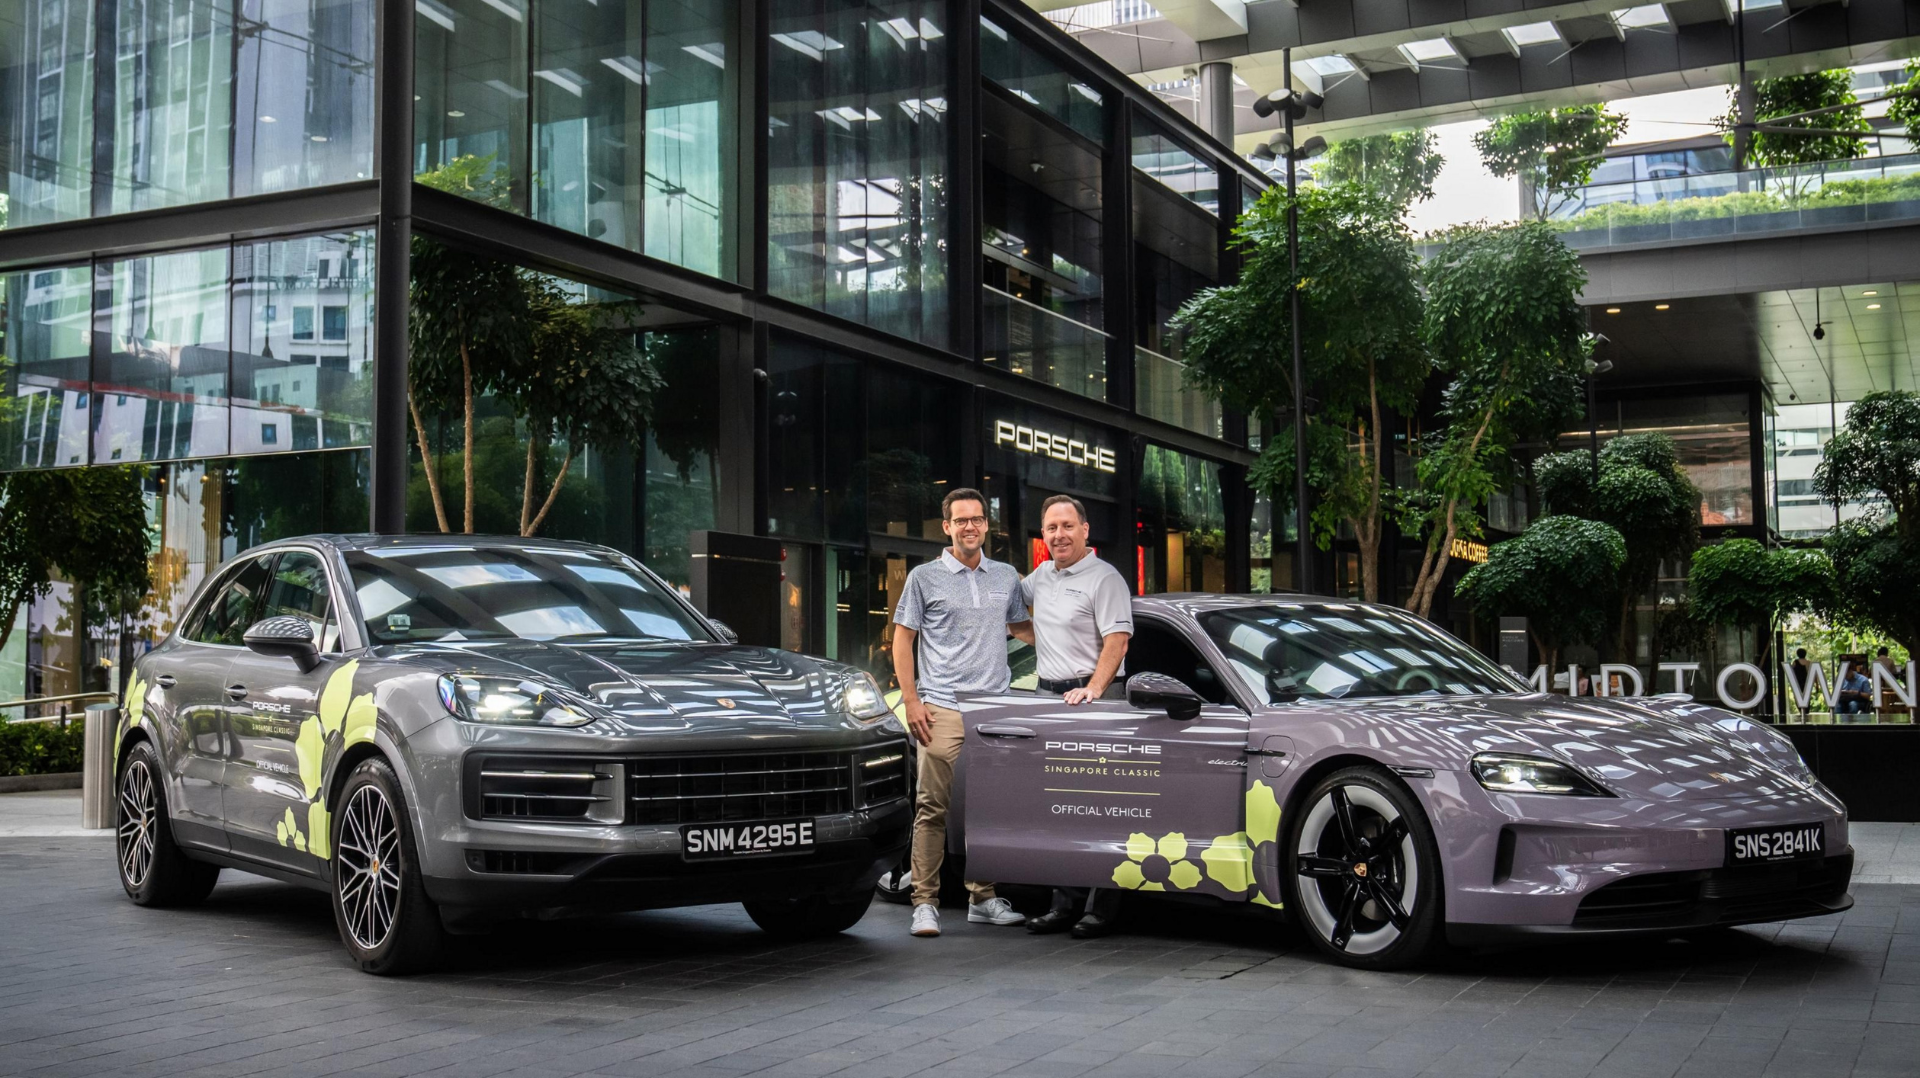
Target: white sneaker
[
  {"x": 926, "y": 919},
  {"x": 994, "y": 911}
]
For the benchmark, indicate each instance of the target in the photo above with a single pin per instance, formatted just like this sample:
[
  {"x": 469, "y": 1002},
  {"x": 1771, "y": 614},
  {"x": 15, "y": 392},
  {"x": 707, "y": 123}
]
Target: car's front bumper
[{"x": 1537, "y": 865}]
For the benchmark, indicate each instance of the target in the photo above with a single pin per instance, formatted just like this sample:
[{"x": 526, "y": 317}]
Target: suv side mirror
[
  {"x": 725, "y": 630},
  {"x": 1158, "y": 692},
  {"x": 285, "y": 637}
]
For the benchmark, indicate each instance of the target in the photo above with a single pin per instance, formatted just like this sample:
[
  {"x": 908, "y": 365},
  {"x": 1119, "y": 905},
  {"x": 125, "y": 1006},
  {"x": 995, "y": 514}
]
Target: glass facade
[
  {"x": 857, "y": 162},
  {"x": 1028, "y": 74},
  {"x": 1182, "y": 523},
  {"x": 615, "y": 121},
  {"x": 303, "y": 94},
  {"x": 1164, "y": 159},
  {"x": 47, "y": 351},
  {"x": 160, "y": 357},
  {"x": 46, "y": 111}
]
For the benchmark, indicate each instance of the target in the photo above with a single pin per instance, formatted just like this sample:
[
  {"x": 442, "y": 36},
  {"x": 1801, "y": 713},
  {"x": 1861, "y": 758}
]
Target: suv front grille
[
  {"x": 539, "y": 789},
  {"x": 744, "y": 786}
]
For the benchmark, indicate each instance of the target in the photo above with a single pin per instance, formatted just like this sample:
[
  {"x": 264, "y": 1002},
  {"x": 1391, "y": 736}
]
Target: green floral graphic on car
[
  {"x": 1230, "y": 858},
  {"x": 341, "y": 712},
  {"x": 1152, "y": 864},
  {"x": 136, "y": 710}
]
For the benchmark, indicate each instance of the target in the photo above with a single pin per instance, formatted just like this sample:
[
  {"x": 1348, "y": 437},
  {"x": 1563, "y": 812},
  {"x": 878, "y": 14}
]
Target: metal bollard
[{"x": 96, "y": 776}]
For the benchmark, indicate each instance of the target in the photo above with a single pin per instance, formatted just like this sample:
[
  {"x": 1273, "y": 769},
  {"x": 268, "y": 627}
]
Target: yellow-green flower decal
[
  {"x": 340, "y": 712},
  {"x": 1229, "y": 858},
  {"x": 136, "y": 710},
  {"x": 288, "y": 832},
  {"x": 1153, "y": 864}
]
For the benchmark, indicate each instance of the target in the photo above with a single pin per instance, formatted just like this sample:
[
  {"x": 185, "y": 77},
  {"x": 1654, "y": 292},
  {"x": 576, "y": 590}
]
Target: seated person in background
[{"x": 1856, "y": 694}]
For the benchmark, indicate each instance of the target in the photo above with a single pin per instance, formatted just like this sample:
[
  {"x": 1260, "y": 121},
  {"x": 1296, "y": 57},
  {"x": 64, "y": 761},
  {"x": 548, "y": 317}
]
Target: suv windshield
[
  {"x": 451, "y": 593},
  {"x": 1293, "y": 651}
]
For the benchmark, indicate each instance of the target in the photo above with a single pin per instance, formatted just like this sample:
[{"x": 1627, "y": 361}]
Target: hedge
[
  {"x": 42, "y": 748},
  {"x": 1837, "y": 193}
]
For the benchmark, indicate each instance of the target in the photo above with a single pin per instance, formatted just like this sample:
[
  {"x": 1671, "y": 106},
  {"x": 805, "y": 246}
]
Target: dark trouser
[{"x": 1101, "y": 902}]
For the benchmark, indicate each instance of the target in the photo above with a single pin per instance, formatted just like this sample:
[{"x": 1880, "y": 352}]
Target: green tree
[
  {"x": 1355, "y": 256},
  {"x": 1790, "y": 95},
  {"x": 1551, "y": 151},
  {"x": 1559, "y": 574},
  {"x": 1504, "y": 321},
  {"x": 1399, "y": 167},
  {"x": 1876, "y": 559},
  {"x": 88, "y": 525},
  {"x": 1905, "y": 109},
  {"x": 1643, "y": 493},
  {"x": 1741, "y": 583}
]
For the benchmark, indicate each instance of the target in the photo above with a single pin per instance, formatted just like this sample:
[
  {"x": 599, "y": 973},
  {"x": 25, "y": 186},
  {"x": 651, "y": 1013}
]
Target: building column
[
  {"x": 1216, "y": 100},
  {"x": 393, "y": 163}
]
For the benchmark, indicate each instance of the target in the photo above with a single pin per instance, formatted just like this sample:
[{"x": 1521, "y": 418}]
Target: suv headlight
[
  {"x": 507, "y": 701},
  {"x": 860, "y": 696},
  {"x": 1508, "y": 774}
]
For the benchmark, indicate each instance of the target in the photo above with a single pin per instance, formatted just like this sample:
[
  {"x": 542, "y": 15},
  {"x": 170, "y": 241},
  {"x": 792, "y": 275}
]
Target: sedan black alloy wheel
[
  {"x": 368, "y": 862},
  {"x": 1358, "y": 871},
  {"x": 137, "y": 823}
]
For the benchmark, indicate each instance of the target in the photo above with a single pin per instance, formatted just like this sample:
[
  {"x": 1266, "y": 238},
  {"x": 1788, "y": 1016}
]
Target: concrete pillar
[{"x": 1216, "y": 100}]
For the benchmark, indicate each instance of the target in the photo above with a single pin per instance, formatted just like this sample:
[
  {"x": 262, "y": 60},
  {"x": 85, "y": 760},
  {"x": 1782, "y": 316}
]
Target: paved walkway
[{"x": 255, "y": 983}]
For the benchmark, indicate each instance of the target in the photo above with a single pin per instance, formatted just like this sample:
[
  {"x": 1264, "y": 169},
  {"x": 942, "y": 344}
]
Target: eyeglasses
[{"x": 967, "y": 522}]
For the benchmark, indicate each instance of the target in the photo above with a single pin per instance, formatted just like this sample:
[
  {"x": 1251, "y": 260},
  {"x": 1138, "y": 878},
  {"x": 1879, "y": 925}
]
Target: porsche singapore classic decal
[
  {"x": 1166, "y": 863},
  {"x": 342, "y": 713}
]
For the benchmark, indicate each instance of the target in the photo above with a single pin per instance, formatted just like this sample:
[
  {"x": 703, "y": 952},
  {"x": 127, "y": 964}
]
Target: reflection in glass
[
  {"x": 304, "y": 94},
  {"x": 1032, "y": 77},
  {"x": 857, "y": 162},
  {"x": 44, "y": 345},
  {"x": 295, "y": 389},
  {"x": 589, "y": 76},
  {"x": 46, "y": 111},
  {"x": 1182, "y": 523},
  {"x": 683, "y": 449},
  {"x": 1291, "y": 651},
  {"x": 160, "y": 371},
  {"x": 1159, "y": 156},
  {"x": 1176, "y": 256},
  {"x": 172, "y": 105},
  {"x": 913, "y": 455},
  {"x": 470, "y": 98},
  {"x": 690, "y": 120},
  {"x": 816, "y": 401}
]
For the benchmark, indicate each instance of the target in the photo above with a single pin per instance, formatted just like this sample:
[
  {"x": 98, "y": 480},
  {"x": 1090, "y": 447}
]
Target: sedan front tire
[{"x": 1363, "y": 871}]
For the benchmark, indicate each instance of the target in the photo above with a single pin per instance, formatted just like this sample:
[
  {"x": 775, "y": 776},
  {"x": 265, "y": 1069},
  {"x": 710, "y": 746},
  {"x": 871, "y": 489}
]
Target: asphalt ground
[{"x": 255, "y": 982}]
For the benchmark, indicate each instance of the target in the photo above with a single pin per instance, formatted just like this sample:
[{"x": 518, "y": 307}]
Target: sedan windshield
[
  {"x": 1293, "y": 651},
  {"x": 452, "y": 593}
]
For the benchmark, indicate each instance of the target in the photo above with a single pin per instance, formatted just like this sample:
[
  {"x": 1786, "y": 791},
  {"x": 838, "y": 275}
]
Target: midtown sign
[{"x": 1630, "y": 683}]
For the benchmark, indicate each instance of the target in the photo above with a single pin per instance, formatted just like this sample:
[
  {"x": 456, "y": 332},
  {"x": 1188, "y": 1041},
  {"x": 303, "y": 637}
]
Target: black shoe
[
  {"x": 1051, "y": 921},
  {"x": 1091, "y": 927}
]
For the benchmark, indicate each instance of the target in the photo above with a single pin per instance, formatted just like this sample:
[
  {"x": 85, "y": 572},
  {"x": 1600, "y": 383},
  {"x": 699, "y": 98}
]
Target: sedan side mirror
[
  {"x": 1158, "y": 692},
  {"x": 285, "y": 637},
  {"x": 725, "y": 630}
]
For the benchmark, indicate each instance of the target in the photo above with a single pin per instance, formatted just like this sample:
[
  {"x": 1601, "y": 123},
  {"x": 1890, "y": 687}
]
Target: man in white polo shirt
[
  {"x": 960, "y": 609},
  {"x": 1082, "y": 620}
]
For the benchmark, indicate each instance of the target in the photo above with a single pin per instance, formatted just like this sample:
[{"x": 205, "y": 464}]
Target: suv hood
[{"x": 657, "y": 687}]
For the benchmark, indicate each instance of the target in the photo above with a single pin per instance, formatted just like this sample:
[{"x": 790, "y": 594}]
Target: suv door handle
[
  {"x": 165, "y": 681},
  {"x": 1004, "y": 731},
  {"x": 238, "y": 692}
]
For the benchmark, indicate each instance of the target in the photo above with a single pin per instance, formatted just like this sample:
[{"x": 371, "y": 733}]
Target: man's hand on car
[
  {"x": 1078, "y": 696},
  {"x": 920, "y": 722}
]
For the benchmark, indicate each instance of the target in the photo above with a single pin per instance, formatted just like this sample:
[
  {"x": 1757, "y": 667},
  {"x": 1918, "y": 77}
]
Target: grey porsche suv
[{"x": 446, "y": 731}]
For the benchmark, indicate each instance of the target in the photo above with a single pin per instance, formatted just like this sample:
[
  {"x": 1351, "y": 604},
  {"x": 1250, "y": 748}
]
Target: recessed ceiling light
[
  {"x": 1613, "y": 310},
  {"x": 1661, "y": 306},
  {"x": 271, "y": 120},
  {"x": 1873, "y": 306},
  {"x": 455, "y": 113},
  {"x": 1871, "y": 292}
]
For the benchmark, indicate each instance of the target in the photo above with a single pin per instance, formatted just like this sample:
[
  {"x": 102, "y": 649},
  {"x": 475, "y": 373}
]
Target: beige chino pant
[{"x": 930, "y": 808}]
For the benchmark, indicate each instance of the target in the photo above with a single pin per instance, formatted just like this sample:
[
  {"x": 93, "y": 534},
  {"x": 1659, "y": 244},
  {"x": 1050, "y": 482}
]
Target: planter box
[{"x": 62, "y": 780}]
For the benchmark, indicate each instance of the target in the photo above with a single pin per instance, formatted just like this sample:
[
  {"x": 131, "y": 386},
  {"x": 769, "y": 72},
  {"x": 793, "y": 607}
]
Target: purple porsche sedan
[{"x": 1394, "y": 789}]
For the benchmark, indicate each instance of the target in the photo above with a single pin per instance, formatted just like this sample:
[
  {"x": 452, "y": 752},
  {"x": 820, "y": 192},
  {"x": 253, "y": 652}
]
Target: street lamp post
[
  {"x": 1595, "y": 368},
  {"x": 1293, "y": 104}
]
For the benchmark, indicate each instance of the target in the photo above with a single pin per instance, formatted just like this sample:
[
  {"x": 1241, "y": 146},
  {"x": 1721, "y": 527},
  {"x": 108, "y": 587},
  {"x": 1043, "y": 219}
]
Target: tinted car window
[
  {"x": 451, "y": 593},
  {"x": 233, "y": 605},
  {"x": 1290, "y": 651},
  {"x": 1160, "y": 650},
  {"x": 299, "y": 589}
]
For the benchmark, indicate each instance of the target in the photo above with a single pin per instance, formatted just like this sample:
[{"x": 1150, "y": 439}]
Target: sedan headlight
[
  {"x": 507, "y": 701},
  {"x": 1503, "y": 773},
  {"x": 860, "y": 696}
]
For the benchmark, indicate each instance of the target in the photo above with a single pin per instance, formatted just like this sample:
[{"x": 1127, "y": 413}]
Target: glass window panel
[
  {"x": 46, "y": 111},
  {"x": 816, "y": 483},
  {"x": 683, "y": 448},
  {"x": 1158, "y": 155},
  {"x": 304, "y": 108},
  {"x": 160, "y": 371},
  {"x": 44, "y": 340},
  {"x": 690, "y": 133},
  {"x": 1033, "y": 77},
  {"x": 172, "y": 103},
  {"x": 277, "y": 496},
  {"x": 913, "y": 454},
  {"x": 857, "y": 160},
  {"x": 319, "y": 399},
  {"x": 1182, "y": 523},
  {"x": 589, "y": 75},
  {"x": 470, "y": 89}
]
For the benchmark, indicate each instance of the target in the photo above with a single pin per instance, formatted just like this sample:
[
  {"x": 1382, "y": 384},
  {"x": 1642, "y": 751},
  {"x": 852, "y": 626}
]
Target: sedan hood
[
  {"x": 1639, "y": 747},
  {"x": 666, "y": 686}
]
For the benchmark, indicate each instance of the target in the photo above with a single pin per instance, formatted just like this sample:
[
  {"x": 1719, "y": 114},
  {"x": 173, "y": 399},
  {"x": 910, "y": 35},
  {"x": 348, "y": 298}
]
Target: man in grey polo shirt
[
  {"x": 960, "y": 609},
  {"x": 1082, "y": 620}
]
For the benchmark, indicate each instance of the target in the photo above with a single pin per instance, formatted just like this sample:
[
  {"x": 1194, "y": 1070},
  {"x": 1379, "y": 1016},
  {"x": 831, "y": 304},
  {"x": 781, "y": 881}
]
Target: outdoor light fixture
[
  {"x": 1297, "y": 103},
  {"x": 1283, "y": 147}
]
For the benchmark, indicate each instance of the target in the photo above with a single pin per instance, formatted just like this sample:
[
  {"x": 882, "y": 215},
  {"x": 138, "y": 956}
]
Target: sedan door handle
[
  {"x": 1005, "y": 731},
  {"x": 165, "y": 681},
  {"x": 238, "y": 692}
]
